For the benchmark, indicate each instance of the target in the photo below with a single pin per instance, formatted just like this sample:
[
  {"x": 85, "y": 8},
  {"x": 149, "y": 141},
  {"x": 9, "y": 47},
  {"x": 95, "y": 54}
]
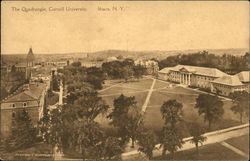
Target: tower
[{"x": 30, "y": 63}]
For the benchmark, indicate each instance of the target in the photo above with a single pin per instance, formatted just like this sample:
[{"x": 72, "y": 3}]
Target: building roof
[
  {"x": 165, "y": 70},
  {"x": 212, "y": 72},
  {"x": 34, "y": 92},
  {"x": 30, "y": 56},
  {"x": 243, "y": 76},
  {"x": 228, "y": 80}
]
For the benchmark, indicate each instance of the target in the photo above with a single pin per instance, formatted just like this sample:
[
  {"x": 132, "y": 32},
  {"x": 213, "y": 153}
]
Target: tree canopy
[
  {"x": 240, "y": 103},
  {"x": 228, "y": 63},
  {"x": 172, "y": 113},
  {"x": 210, "y": 106},
  {"x": 126, "y": 118},
  {"x": 23, "y": 133}
]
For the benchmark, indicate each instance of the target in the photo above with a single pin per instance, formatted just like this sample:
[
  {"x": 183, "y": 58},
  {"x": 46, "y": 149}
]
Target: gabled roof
[
  {"x": 23, "y": 96},
  {"x": 33, "y": 93},
  {"x": 165, "y": 70},
  {"x": 212, "y": 72},
  {"x": 243, "y": 76},
  {"x": 228, "y": 80}
]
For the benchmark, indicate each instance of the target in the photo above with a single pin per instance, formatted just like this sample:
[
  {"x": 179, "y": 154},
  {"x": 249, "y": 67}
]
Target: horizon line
[{"x": 86, "y": 52}]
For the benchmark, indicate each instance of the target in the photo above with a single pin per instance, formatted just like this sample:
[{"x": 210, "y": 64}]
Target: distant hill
[
  {"x": 16, "y": 58},
  {"x": 164, "y": 54}
]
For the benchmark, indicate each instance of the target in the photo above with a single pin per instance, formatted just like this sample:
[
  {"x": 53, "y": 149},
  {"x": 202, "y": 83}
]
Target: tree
[
  {"x": 23, "y": 133},
  {"x": 95, "y": 76},
  {"x": 196, "y": 132},
  {"x": 55, "y": 83},
  {"x": 211, "y": 106},
  {"x": 78, "y": 89},
  {"x": 240, "y": 103},
  {"x": 112, "y": 148},
  {"x": 73, "y": 125},
  {"x": 139, "y": 71},
  {"x": 171, "y": 140},
  {"x": 76, "y": 64},
  {"x": 147, "y": 142},
  {"x": 127, "y": 72},
  {"x": 90, "y": 106},
  {"x": 172, "y": 112},
  {"x": 124, "y": 119},
  {"x": 134, "y": 124}
]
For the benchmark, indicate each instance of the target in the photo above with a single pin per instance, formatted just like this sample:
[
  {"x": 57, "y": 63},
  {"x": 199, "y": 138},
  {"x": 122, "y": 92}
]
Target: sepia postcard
[{"x": 124, "y": 80}]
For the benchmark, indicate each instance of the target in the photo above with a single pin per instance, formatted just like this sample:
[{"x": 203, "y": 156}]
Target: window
[
  {"x": 13, "y": 114},
  {"x": 24, "y": 104},
  {"x": 13, "y": 105}
]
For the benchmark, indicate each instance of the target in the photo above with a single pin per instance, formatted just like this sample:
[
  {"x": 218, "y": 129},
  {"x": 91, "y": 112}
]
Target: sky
[{"x": 134, "y": 26}]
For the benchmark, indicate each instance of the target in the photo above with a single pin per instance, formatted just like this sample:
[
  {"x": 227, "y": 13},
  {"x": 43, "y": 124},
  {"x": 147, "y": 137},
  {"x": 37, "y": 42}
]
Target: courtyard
[{"x": 151, "y": 93}]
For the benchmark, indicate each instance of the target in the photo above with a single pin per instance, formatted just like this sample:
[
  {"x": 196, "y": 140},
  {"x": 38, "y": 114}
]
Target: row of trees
[
  {"x": 74, "y": 125},
  {"x": 209, "y": 106},
  {"x": 125, "y": 69},
  {"x": 75, "y": 74},
  {"x": 227, "y": 63}
]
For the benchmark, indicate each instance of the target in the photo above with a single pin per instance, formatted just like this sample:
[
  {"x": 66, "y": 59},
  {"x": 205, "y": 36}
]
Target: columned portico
[{"x": 185, "y": 78}]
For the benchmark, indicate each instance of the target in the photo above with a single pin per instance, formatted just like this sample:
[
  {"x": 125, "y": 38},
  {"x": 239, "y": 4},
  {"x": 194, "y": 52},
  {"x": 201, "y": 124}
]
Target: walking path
[
  {"x": 145, "y": 78},
  {"x": 212, "y": 137},
  {"x": 148, "y": 96},
  {"x": 179, "y": 93},
  {"x": 234, "y": 149},
  {"x": 114, "y": 94},
  {"x": 110, "y": 87}
]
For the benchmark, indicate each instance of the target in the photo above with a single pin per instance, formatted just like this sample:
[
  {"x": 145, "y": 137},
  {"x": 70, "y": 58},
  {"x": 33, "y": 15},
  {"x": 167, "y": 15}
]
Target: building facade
[
  {"x": 227, "y": 84},
  {"x": 190, "y": 75},
  {"x": 150, "y": 65},
  {"x": 211, "y": 79},
  {"x": 244, "y": 77},
  {"x": 30, "y": 97}
]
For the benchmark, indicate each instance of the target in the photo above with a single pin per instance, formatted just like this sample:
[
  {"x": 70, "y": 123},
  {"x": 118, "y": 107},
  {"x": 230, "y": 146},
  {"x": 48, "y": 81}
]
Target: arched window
[
  {"x": 24, "y": 104},
  {"x": 13, "y": 105}
]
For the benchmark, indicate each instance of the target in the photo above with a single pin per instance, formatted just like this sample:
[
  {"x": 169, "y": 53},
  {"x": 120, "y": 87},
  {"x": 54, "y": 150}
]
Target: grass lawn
[
  {"x": 40, "y": 151},
  {"x": 241, "y": 143},
  {"x": 207, "y": 152},
  {"x": 187, "y": 97},
  {"x": 162, "y": 92}
]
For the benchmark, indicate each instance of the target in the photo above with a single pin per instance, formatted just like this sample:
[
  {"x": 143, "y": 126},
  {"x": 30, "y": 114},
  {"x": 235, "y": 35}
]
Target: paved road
[{"x": 216, "y": 138}]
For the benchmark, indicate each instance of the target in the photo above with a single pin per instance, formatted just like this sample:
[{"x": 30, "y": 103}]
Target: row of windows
[
  {"x": 14, "y": 105},
  {"x": 229, "y": 87},
  {"x": 176, "y": 74}
]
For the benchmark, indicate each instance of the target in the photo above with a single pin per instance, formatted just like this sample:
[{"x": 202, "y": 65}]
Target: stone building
[
  {"x": 30, "y": 97},
  {"x": 150, "y": 65},
  {"x": 191, "y": 75},
  {"x": 227, "y": 84},
  {"x": 244, "y": 77}
]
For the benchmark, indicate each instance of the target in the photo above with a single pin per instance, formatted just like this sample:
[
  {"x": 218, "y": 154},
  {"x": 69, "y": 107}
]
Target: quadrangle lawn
[
  {"x": 162, "y": 92},
  {"x": 214, "y": 151}
]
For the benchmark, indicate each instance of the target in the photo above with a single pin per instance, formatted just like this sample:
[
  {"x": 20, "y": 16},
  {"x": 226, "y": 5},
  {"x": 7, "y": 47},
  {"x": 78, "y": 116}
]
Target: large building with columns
[{"x": 191, "y": 75}]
